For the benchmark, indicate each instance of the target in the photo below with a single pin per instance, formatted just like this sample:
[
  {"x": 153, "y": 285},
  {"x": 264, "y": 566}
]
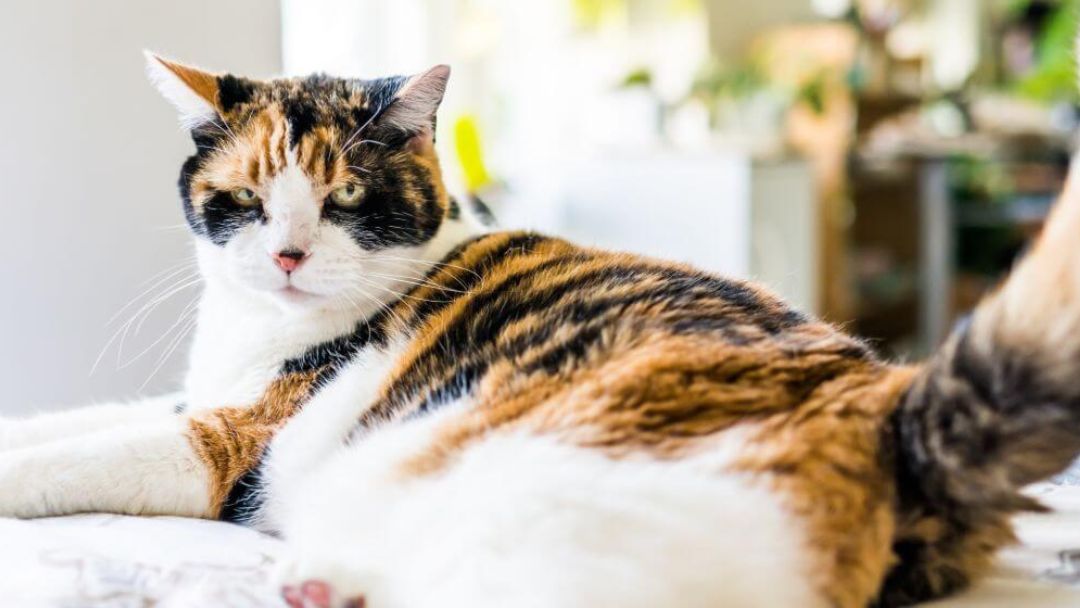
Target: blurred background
[{"x": 878, "y": 162}]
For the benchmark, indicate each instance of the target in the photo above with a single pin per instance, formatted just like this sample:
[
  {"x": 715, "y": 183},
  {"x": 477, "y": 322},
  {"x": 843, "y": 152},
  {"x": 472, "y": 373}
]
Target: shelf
[{"x": 1027, "y": 209}]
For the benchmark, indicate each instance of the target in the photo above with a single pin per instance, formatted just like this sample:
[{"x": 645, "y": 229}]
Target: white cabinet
[{"x": 724, "y": 213}]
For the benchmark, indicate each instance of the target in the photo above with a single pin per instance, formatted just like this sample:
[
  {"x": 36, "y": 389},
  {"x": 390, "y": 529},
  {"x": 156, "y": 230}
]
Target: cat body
[{"x": 435, "y": 413}]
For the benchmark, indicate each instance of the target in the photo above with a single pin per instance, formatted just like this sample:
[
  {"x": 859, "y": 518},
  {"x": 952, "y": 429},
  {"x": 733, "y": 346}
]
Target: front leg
[
  {"x": 145, "y": 469},
  {"x": 68, "y": 424},
  {"x": 181, "y": 465}
]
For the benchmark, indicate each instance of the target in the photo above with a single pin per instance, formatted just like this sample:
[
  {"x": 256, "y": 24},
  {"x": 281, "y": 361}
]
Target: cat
[{"x": 433, "y": 412}]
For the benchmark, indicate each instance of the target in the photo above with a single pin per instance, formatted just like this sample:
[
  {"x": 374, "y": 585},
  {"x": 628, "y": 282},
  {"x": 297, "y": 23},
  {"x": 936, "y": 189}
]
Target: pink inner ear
[{"x": 414, "y": 106}]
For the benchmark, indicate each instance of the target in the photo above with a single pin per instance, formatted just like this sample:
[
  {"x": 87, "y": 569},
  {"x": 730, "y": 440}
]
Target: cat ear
[
  {"x": 193, "y": 92},
  {"x": 413, "y": 108}
]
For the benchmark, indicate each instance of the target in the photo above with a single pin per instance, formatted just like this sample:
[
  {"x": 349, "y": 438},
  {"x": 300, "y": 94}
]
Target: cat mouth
[{"x": 295, "y": 294}]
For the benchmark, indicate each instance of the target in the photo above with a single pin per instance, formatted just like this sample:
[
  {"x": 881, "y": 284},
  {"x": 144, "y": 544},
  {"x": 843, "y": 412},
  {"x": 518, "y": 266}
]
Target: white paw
[{"x": 19, "y": 496}]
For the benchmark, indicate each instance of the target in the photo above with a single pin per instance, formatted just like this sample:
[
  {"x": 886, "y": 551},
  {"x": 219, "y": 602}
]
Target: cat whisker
[
  {"x": 171, "y": 227},
  {"x": 362, "y": 142},
  {"x": 190, "y": 310},
  {"x": 173, "y": 345},
  {"x": 139, "y": 317},
  {"x": 399, "y": 294},
  {"x": 170, "y": 273},
  {"x": 123, "y": 330},
  {"x": 417, "y": 282},
  {"x": 430, "y": 263},
  {"x": 380, "y": 306},
  {"x": 190, "y": 283},
  {"x": 346, "y": 147}
]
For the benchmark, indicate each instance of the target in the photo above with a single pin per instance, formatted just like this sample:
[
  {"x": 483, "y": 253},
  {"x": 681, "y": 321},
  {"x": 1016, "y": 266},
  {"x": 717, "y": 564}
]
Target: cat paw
[
  {"x": 320, "y": 582},
  {"x": 314, "y": 593}
]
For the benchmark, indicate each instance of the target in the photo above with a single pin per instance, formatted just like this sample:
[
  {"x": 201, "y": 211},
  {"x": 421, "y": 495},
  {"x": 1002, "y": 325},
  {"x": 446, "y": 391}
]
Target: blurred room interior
[{"x": 878, "y": 162}]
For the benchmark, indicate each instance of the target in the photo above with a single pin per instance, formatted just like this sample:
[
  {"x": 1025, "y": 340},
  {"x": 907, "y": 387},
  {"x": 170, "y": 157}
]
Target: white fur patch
[
  {"x": 319, "y": 430},
  {"x": 193, "y": 108},
  {"x": 293, "y": 209},
  {"x": 147, "y": 469},
  {"x": 522, "y": 521},
  {"x": 68, "y": 424}
]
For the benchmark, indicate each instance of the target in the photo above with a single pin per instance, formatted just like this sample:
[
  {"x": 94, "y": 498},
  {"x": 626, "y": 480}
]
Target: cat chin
[
  {"x": 291, "y": 298},
  {"x": 294, "y": 301}
]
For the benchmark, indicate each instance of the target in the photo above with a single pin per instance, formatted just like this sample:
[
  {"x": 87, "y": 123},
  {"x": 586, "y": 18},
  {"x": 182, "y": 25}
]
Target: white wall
[{"x": 89, "y": 157}]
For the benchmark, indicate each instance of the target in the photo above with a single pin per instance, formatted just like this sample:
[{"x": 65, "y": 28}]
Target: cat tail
[{"x": 998, "y": 407}]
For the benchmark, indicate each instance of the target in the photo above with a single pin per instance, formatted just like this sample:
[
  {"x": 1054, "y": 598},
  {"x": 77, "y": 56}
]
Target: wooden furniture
[{"x": 935, "y": 229}]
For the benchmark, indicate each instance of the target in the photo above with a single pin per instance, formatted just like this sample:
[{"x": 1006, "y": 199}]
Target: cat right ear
[{"x": 192, "y": 91}]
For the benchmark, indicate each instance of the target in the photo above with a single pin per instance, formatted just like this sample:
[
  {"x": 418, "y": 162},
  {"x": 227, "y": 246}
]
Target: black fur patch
[
  {"x": 385, "y": 216},
  {"x": 221, "y": 217},
  {"x": 233, "y": 91},
  {"x": 909, "y": 583},
  {"x": 301, "y": 117},
  {"x": 245, "y": 498},
  {"x": 482, "y": 211},
  {"x": 194, "y": 220}
]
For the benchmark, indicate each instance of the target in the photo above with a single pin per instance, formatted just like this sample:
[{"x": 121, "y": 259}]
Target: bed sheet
[{"x": 113, "y": 561}]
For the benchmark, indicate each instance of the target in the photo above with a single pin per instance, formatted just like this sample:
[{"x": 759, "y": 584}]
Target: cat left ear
[
  {"x": 192, "y": 91},
  {"x": 413, "y": 108}
]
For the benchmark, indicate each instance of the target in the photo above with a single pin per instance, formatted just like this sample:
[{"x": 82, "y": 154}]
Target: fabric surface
[
  {"x": 1044, "y": 570},
  {"x": 114, "y": 561}
]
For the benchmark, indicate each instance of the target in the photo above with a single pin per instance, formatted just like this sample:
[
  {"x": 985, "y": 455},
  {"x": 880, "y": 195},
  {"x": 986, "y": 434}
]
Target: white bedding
[
  {"x": 127, "y": 562},
  {"x": 1044, "y": 570},
  {"x": 120, "y": 562}
]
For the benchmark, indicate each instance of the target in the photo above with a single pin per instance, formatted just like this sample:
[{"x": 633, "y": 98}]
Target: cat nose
[{"x": 289, "y": 259}]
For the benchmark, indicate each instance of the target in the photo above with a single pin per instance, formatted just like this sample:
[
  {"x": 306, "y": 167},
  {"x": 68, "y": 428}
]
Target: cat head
[{"x": 310, "y": 191}]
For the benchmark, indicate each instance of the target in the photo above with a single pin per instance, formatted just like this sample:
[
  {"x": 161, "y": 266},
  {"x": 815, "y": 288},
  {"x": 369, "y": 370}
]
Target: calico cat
[{"x": 434, "y": 413}]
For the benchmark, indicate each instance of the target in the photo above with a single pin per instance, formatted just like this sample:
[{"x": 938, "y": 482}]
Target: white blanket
[
  {"x": 120, "y": 562},
  {"x": 115, "y": 561},
  {"x": 1044, "y": 570}
]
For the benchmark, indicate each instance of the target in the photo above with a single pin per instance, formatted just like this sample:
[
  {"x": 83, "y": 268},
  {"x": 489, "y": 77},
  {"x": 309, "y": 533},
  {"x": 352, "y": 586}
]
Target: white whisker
[{"x": 188, "y": 311}]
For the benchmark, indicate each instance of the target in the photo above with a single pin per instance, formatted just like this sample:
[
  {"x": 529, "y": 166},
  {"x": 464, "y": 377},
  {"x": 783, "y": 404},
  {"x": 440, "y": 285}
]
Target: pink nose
[{"x": 289, "y": 259}]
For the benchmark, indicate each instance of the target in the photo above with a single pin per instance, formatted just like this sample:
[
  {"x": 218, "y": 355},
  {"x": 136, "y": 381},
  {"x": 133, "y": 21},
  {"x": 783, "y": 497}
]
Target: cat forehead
[
  {"x": 306, "y": 121},
  {"x": 264, "y": 146},
  {"x": 306, "y": 102}
]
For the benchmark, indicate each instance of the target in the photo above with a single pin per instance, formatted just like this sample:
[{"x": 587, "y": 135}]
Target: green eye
[
  {"x": 347, "y": 196},
  {"x": 245, "y": 197}
]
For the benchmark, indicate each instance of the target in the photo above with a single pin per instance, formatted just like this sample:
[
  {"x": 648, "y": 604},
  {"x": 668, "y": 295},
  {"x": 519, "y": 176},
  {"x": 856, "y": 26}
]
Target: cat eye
[
  {"x": 347, "y": 196},
  {"x": 245, "y": 197}
]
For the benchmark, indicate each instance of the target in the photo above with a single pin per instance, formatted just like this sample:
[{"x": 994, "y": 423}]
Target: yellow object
[{"x": 469, "y": 153}]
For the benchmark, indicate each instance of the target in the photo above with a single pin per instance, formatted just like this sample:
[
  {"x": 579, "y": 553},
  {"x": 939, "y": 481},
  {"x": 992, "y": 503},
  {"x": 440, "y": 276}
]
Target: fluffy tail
[
  {"x": 996, "y": 409},
  {"x": 999, "y": 405}
]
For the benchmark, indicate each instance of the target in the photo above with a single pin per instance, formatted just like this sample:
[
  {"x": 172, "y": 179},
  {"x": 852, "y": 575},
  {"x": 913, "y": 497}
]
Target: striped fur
[{"x": 507, "y": 374}]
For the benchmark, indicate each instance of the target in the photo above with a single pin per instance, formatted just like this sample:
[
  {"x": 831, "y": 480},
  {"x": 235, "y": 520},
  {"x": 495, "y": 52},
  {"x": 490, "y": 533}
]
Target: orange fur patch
[
  {"x": 231, "y": 440},
  {"x": 202, "y": 83}
]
